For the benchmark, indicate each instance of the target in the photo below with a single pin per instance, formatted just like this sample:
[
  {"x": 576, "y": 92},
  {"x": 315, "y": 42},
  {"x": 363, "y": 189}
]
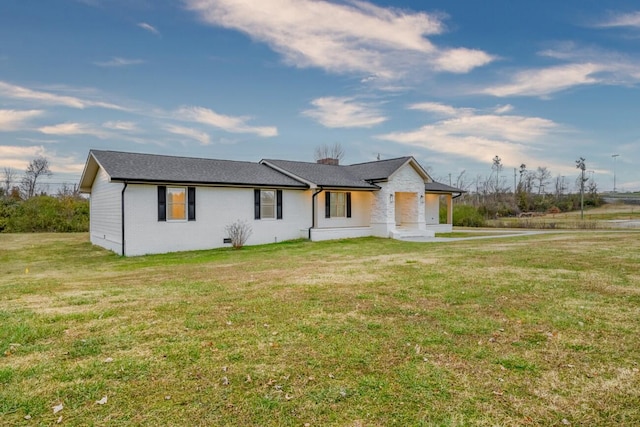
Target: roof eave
[
  {"x": 89, "y": 173},
  {"x": 207, "y": 183}
]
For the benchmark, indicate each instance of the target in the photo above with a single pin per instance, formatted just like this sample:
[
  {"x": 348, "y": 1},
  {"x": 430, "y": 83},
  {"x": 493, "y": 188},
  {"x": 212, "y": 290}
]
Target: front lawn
[{"x": 531, "y": 330}]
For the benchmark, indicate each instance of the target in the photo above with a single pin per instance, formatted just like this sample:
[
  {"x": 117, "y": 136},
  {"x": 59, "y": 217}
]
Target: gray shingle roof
[
  {"x": 438, "y": 187},
  {"x": 123, "y": 166},
  {"x": 378, "y": 170},
  {"x": 324, "y": 175}
]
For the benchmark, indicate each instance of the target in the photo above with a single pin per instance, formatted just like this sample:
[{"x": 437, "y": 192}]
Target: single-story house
[{"x": 146, "y": 203}]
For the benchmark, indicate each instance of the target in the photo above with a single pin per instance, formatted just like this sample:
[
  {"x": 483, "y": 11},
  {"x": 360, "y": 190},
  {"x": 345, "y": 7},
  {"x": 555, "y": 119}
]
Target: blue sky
[{"x": 452, "y": 83}]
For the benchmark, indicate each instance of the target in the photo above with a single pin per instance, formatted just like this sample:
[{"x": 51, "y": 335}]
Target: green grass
[{"x": 528, "y": 330}]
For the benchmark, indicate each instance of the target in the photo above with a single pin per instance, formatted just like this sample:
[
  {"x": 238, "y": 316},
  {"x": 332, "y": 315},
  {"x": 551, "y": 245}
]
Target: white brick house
[{"x": 144, "y": 203}]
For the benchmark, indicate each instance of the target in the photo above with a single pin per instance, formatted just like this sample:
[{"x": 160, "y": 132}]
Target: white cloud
[
  {"x": 202, "y": 137},
  {"x": 480, "y": 136},
  {"x": 344, "y": 112},
  {"x": 502, "y": 109},
  {"x": 15, "y": 119},
  {"x": 121, "y": 125},
  {"x": 18, "y": 158},
  {"x": 541, "y": 82},
  {"x": 228, "y": 123},
  {"x": 462, "y": 60},
  {"x": 119, "y": 62},
  {"x": 631, "y": 19},
  {"x": 40, "y": 140},
  {"x": 69, "y": 129},
  {"x": 354, "y": 37},
  {"x": 440, "y": 109},
  {"x": 47, "y": 98},
  {"x": 148, "y": 27}
]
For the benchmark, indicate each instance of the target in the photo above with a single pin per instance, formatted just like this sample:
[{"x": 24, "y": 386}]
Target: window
[
  {"x": 267, "y": 204},
  {"x": 337, "y": 204},
  {"x": 176, "y": 203}
]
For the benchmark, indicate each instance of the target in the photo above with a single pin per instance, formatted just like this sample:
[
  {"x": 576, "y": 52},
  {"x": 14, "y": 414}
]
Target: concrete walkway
[{"x": 499, "y": 233}]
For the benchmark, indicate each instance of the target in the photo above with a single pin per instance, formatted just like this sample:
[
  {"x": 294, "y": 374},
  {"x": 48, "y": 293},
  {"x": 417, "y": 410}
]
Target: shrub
[
  {"x": 467, "y": 216},
  {"x": 47, "y": 214},
  {"x": 239, "y": 233}
]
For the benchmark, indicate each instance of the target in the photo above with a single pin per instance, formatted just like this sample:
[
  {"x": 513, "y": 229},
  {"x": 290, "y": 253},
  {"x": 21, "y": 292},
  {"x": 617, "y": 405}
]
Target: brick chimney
[{"x": 329, "y": 161}]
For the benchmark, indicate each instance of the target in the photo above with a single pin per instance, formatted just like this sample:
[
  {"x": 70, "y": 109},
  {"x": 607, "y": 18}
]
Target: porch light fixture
[
  {"x": 422, "y": 198},
  {"x": 391, "y": 197}
]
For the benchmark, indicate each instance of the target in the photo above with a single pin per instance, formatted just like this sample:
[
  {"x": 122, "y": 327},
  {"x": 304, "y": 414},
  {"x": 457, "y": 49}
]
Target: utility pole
[
  {"x": 615, "y": 156},
  {"x": 515, "y": 199},
  {"x": 580, "y": 165}
]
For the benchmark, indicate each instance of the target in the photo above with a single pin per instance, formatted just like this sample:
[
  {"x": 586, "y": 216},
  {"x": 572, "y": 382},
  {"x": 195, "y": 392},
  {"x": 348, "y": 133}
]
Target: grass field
[
  {"x": 594, "y": 218},
  {"x": 535, "y": 330}
]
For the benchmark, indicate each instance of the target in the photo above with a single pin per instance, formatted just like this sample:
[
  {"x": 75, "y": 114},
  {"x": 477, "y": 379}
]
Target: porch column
[{"x": 449, "y": 209}]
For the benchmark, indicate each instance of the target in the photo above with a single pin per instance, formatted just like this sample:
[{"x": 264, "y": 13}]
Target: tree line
[
  {"x": 532, "y": 190},
  {"x": 26, "y": 207}
]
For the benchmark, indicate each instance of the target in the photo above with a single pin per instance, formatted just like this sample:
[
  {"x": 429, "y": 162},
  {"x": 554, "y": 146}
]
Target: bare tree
[
  {"x": 559, "y": 184},
  {"x": 68, "y": 191},
  {"x": 325, "y": 151},
  {"x": 542, "y": 176},
  {"x": 460, "y": 180},
  {"x": 523, "y": 171},
  {"x": 497, "y": 166},
  {"x": 37, "y": 168},
  {"x": 8, "y": 176}
]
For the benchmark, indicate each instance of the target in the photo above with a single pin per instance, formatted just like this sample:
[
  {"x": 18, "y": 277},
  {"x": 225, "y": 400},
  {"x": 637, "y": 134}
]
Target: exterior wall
[
  {"x": 404, "y": 180},
  {"x": 215, "y": 209},
  {"x": 105, "y": 227},
  {"x": 432, "y": 209},
  {"x": 406, "y": 209},
  {"x": 360, "y": 211},
  {"x": 319, "y": 234}
]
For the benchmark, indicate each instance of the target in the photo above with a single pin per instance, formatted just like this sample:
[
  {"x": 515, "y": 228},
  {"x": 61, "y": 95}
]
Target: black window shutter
[
  {"x": 279, "y": 204},
  {"x": 349, "y": 204},
  {"x": 327, "y": 204},
  {"x": 256, "y": 204},
  {"x": 191, "y": 201},
  {"x": 162, "y": 203}
]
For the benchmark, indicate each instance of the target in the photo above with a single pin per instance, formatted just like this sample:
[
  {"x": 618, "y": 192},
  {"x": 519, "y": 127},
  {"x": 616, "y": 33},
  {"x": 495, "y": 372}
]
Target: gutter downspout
[
  {"x": 313, "y": 210},
  {"x": 122, "y": 213}
]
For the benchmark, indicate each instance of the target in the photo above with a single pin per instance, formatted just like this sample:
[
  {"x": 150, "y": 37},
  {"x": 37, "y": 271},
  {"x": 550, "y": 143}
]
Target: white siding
[
  {"x": 432, "y": 209},
  {"x": 360, "y": 211},
  {"x": 215, "y": 209},
  {"x": 105, "y": 213}
]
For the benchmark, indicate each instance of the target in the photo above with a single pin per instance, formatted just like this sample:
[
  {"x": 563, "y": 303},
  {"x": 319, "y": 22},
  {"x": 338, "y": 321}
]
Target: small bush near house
[{"x": 239, "y": 233}]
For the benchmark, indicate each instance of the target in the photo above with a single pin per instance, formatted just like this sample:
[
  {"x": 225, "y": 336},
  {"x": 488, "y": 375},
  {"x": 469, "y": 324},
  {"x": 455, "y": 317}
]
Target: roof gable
[{"x": 382, "y": 170}]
